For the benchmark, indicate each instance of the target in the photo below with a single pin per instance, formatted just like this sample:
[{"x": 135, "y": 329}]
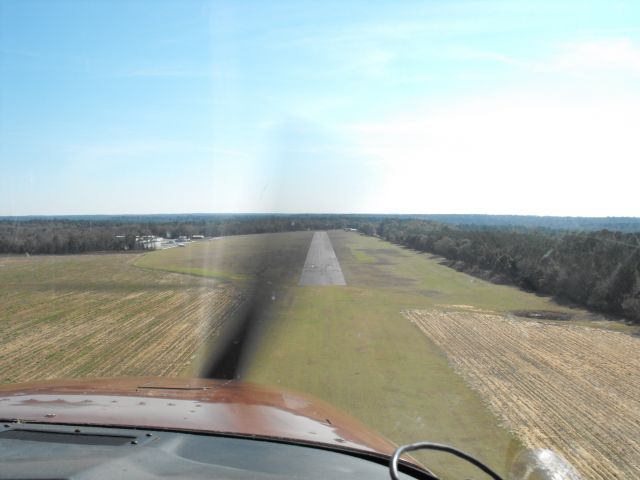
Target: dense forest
[{"x": 597, "y": 269}]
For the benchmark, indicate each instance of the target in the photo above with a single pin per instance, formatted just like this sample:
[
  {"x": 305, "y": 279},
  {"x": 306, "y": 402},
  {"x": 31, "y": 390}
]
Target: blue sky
[{"x": 395, "y": 107}]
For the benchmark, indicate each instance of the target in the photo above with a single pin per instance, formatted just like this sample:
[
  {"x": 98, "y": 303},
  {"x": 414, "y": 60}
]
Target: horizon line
[{"x": 112, "y": 215}]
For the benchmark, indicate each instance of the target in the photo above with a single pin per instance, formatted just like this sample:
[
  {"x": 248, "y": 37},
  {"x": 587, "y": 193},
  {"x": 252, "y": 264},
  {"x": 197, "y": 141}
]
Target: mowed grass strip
[
  {"x": 569, "y": 388},
  {"x": 351, "y": 347},
  {"x": 97, "y": 315}
]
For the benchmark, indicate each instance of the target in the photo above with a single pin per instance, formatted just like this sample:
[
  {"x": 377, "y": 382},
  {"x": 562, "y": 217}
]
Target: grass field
[
  {"x": 98, "y": 315},
  {"x": 570, "y": 388},
  {"x": 350, "y": 345}
]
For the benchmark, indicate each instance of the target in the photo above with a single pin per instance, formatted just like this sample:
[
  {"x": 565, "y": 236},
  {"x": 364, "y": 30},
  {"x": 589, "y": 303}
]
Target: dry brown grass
[
  {"x": 573, "y": 389},
  {"x": 97, "y": 315}
]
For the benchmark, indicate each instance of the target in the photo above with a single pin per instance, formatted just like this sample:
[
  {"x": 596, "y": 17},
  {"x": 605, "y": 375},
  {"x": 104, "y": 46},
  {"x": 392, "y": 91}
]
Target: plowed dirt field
[{"x": 573, "y": 389}]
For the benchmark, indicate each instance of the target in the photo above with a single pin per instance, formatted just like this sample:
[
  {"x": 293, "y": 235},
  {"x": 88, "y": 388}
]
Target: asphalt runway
[{"x": 321, "y": 266}]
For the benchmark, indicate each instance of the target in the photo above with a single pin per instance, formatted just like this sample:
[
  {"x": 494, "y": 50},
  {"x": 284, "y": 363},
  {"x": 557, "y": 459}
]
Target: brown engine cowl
[{"x": 190, "y": 405}]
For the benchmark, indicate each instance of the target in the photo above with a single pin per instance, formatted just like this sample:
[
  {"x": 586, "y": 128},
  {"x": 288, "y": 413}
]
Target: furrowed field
[
  {"x": 98, "y": 315},
  {"x": 110, "y": 315},
  {"x": 570, "y": 388}
]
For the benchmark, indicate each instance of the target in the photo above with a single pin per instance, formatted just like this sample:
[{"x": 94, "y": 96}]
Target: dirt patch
[
  {"x": 376, "y": 277},
  {"x": 382, "y": 261},
  {"x": 383, "y": 256},
  {"x": 391, "y": 252},
  {"x": 542, "y": 314},
  {"x": 430, "y": 293},
  {"x": 569, "y": 388}
]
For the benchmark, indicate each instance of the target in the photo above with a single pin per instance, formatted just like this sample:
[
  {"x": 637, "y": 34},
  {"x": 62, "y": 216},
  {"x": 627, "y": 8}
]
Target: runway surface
[{"x": 321, "y": 266}]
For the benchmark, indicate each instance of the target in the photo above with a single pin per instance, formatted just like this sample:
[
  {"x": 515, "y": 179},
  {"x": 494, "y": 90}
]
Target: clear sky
[{"x": 158, "y": 106}]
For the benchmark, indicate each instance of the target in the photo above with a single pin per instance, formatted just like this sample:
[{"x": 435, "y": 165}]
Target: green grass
[
  {"x": 351, "y": 347},
  {"x": 203, "y": 272},
  {"x": 362, "y": 256}
]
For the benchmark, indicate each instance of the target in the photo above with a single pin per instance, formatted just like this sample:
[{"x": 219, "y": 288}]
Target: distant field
[
  {"x": 570, "y": 388},
  {"x": 97, "y": 315}
]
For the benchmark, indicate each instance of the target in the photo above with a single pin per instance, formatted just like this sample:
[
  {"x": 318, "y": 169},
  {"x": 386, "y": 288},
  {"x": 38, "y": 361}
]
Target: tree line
[
  {"x": 598, "y": 270},
  {"x": 80, "y": 235}
]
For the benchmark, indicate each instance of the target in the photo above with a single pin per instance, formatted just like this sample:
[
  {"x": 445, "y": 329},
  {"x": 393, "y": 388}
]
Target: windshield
[{"x": 422, "y": 213}]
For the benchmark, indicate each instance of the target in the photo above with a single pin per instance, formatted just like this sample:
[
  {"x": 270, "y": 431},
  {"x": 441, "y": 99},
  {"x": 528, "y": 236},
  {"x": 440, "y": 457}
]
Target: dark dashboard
[{"x": 46, "y": 451}]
